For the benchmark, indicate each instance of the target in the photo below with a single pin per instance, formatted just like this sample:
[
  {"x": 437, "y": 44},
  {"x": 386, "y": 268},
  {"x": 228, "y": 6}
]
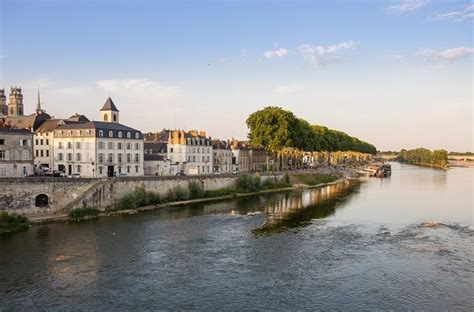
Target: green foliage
[
  {"x": 316, "y": 178},
  {"x": 181, "y": 193},
  {"x": 219, "y": 192},
  {"x": 81, "y": 213},
  {"x": 437, "y": 158},
  {"x": 286, "y": 178},
  {"x": 247, "y": 183},
  {"x": 138, "y": 198},
  {"x": 12, "y": 222},
  {"x": 274, "y": 129},
  {"x": 195, "y": 189}
]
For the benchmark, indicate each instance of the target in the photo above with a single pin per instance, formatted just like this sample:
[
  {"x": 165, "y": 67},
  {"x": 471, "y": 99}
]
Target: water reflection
[{"x": 297, "y": 209}]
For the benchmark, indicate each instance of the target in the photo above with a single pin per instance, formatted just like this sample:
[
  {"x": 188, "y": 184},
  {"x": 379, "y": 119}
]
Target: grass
[
  {"x": 315, "y": 178},
  {"x": 83, "y": 213},
  {"x": 12, "y": 222}
]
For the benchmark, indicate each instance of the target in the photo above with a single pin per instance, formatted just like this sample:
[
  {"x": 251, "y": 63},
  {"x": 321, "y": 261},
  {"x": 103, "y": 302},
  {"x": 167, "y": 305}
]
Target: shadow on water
[{"x": 298, "y": 209}]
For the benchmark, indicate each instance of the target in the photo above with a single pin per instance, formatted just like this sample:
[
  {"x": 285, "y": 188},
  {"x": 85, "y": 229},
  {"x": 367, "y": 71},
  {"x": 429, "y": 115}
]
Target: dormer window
[
  {"x": 120, "y": 134},
  {"x": 111, "y": 134},
  {"x": 101, "y": 133},
  {"x": 78, "y": 132},
  {"x": 69, "y": 133},
  {"x": 137, "y": 135},
  {"x": 129, "y": 135}
]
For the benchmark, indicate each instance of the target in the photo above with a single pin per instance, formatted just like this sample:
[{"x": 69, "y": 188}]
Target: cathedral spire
[{"x": 38, "y": 104}]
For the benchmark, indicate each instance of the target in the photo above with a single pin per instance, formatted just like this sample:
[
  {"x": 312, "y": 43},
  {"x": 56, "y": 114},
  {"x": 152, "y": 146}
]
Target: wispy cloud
[
  {"x": 446, "y": 55},
  {"x": 407, "y": 6},
  {"x": 319, "y": 55},
  {"x": 288, "y": 89},
  {"x": 275, "y": 53},
  {"x": 140, "y": 89},
  {"x": 463, "y": 14}
]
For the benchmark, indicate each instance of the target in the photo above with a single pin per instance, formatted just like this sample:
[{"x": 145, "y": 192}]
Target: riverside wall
[{"x": 28, "y": 195}]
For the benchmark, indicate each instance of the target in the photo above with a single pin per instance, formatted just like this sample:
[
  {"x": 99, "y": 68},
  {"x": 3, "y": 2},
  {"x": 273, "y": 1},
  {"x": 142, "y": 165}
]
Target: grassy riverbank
[{"x": 12, "y": 223}]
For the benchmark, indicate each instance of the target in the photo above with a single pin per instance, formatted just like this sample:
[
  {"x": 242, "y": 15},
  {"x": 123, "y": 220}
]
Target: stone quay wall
[{"x": 45, "y": 195}]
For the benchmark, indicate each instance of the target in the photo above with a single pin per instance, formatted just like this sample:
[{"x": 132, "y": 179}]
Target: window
[
  {"x": 115, "y": 117},
  {"x": 208, "y": 158},
  {"x": 3, "y": 172},
  {"x": 106, "y": 117},
  {"x": 100, "y": 158},
  {"x": 78, "y": 145},
  {"x": 128, "y": 169},
  {"x": 120, "y": 158},
  {"x": 137, "y": 146},
  {"x": 60, "y": 156},
  {"x": 36, "y": 142},
  {"x": 194, "y": 158},
  {"x": 129, "y": 135},
  {"x": 78, "y": 157},
  {"x": 47, "y": 141},
  {"x": 24, "y": 143},
  {"x": 2, "y": 155},
  {"x": 137, "y": 157},
  {"x": 110, "y": 145},
  {"x": 37, "y": 153},
  {"x": 137, "y": 135},
  {"x": 110, "y": 158},
  {"x": 78, "y": 133},
  {"x": 100, "y": 170},
  {"x": 69, "y": 145},
  {"x": 69, "y": 156},
  {"x": 119, "y": 133},
  {"x": 101, "y": 145},
  {"x": 69, "y": 133},
  {"x": 101, "y": 133},
  {"x": 129, "y": 158},
  {"x": 111, "y": 134},
  {"x": 60, "y": 145},
  {"x": 119, "y": 146},
  {"x": 89, "y": 132},
  {"x": 171, "y": 150},
  {"x": 47, "y": 153},
  {"x": 202, "y": 158},
  {"x": 189, "y": 158},
  {"x": 78, "y": 168},
  {"x": 136, "y": 169},
  {"x": 129, "y": 146},
  {"x": 42, "y": 153}
]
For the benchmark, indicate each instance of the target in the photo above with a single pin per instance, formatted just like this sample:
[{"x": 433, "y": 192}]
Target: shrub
[
  {"x": 195, "y": 189},
  {"x": 177, "y": 193},
  {"x": 248, "y": 183},
  {"x": 138, "y": 198},
  {"x": 219, "y": 192},
  {"x": 12, "y": 222},
  {"x": 81, "y": 213},
  {"x": 314, "y": 179}
]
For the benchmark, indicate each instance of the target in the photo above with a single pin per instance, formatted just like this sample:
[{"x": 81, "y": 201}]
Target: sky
[{"x": 397, "y": 74}]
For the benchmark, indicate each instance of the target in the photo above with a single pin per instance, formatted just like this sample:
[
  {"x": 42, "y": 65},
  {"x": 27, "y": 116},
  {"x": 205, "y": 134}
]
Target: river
[{"x": 402, "y": 243}]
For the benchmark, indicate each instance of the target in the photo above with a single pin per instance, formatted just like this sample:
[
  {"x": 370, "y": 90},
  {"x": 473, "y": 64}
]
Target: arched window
[
  {"x": 69, "y": 133},
  {"x": 115, "y": 117},
  {"x": 78, "y": 132},
  {"x": 129, "y": 135},
  {"x": 41, "y": 200},
  {"x": 111, "y": 134},
  {"x": 137, "y": 135},
  {"x": 101, "y": 133},
  {"x": 120, "y": 134},
  {"x": 106, "y": 117}
]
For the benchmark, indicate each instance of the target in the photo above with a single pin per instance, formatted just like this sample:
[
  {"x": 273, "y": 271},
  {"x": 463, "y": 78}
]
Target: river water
[{"x": 402, "y": 243}]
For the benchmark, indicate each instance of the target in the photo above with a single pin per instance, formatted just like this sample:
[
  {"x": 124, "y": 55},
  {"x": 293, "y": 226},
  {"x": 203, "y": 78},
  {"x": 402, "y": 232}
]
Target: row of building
[{"x": 39, "y": 143}]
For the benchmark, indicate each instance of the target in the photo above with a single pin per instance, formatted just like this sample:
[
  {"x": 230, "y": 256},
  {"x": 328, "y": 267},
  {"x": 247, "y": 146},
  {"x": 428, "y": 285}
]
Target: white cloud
[
  {"x": 319, "y": 55},
  {"x": 276, "y": 53},
  {"x": 446, "y": 55},
  {"x": 465, "y": 14},
  {"x": 140, "y": 90},
  {"x": 288, "y": 89},
  {"x": 407, "y": 6}
]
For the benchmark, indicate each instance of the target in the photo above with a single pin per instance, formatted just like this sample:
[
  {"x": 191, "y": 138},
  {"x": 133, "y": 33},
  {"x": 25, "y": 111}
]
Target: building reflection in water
[{"x": 296, "y": 209}]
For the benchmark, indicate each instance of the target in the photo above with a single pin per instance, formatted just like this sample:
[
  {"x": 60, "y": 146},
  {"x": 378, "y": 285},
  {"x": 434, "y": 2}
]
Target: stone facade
[
  {"x": 16, "y": 152},
  {"x": 222, "y": 156},
  {"x": 190, "y": 151}
]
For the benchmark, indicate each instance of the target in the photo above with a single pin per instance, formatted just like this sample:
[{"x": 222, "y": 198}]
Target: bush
[
  {"x": 314, "y": 179},
  {"x": 177, "y": 193},
  {"x": 80, "y": 213},
  {"x": 219, "y": 192},
  {"x": 12, "y": 222},
  {"x": 138, "y": 198},
  {"x": 195, "y": 189},
  {"x": 248, "y": 183}
]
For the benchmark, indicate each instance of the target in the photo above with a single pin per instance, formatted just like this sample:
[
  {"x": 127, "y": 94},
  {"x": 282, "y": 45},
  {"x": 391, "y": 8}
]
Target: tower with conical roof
[
  {"x": 109, "y": 112},
  {"x": 38, "y": 104}
]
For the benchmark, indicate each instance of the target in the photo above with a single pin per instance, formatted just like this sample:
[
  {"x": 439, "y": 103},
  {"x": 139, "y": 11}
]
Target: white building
[
  {"x": 222, "y": 160},
  {"x": 103, "y": 148},
  {"x": 16, "y": 152},
  {"x": 190, "y": 152}
]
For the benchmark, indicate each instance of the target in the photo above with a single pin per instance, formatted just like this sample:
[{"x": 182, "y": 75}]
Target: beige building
[
  {"x": 190, "y": 152},
  {"x": 16, "y": 152},
  {"x": 240, "y": 156},
  {"x": 103, "y": 148}
]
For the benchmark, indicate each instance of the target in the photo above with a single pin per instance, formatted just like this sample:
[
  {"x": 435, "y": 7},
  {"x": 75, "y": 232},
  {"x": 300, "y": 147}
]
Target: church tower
[
  {"x": 15, "y": 102},
  {"x": 109, "y": 112},
  {"x": 38, "y": 104},
  {"x": 3, "y": 103}
]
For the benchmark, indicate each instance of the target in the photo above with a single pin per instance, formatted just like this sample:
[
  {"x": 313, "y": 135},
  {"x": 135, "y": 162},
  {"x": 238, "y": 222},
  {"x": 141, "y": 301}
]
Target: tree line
[
  {"x": 438, "y": 158},
  {"x": 276, "y": 129}
]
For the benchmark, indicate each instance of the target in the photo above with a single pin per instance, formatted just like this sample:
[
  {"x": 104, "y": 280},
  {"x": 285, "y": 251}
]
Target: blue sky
[{"x": 395, "y": 73}]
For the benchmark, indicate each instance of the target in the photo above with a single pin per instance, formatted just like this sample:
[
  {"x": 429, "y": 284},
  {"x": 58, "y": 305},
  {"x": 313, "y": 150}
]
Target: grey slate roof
[
  {"x": 109, "y": 106},
  {"x": 101, "y": 125},
  {"x": 148, "y": 157}
]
